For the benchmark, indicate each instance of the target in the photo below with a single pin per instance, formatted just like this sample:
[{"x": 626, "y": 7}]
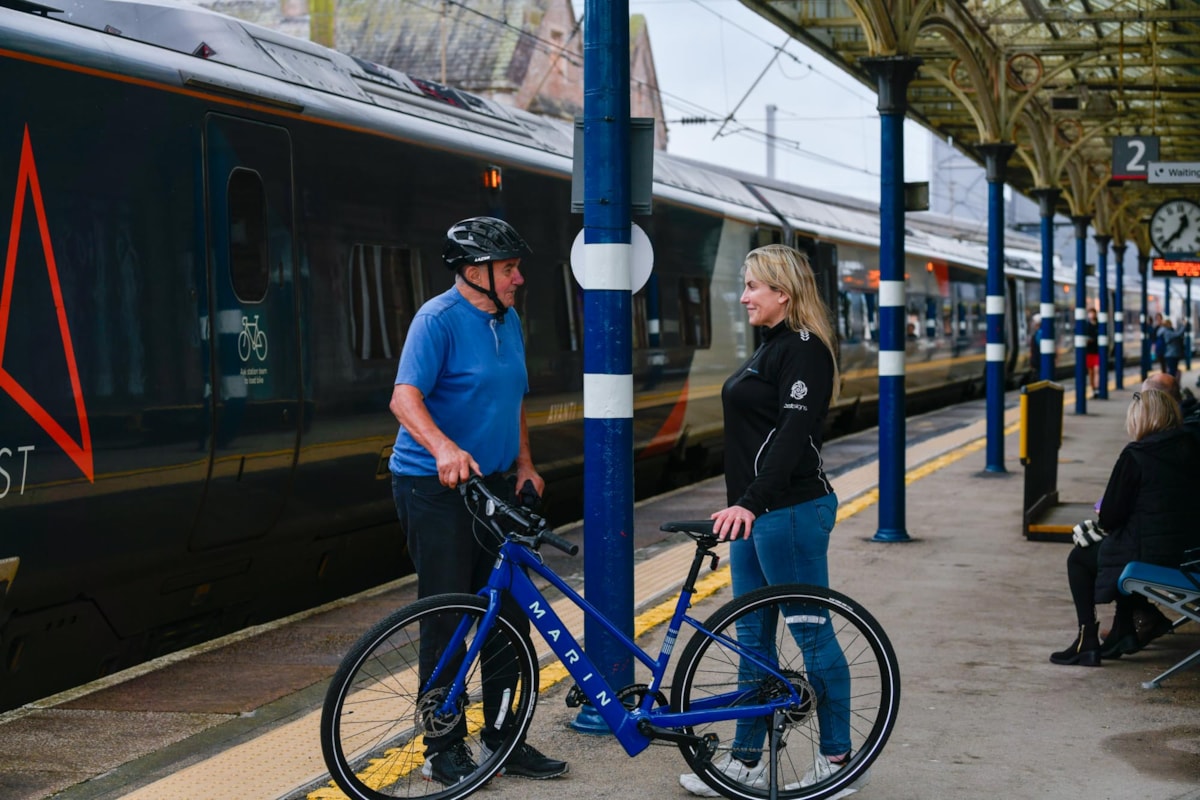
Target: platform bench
[{"x": 1177, "y": 589}]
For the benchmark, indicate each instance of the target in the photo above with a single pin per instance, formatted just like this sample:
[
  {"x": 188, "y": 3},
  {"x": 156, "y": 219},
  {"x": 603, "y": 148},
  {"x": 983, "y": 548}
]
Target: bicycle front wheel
[
  {"x": 841, "y": 665},
  {"x": 379, "y": 722}
]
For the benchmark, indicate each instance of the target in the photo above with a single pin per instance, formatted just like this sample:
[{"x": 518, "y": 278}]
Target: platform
[{"x": 972, "y": 607}]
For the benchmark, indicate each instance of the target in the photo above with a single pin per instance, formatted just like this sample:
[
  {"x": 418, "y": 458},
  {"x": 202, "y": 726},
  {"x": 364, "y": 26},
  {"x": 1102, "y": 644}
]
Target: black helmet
[{"x": 480, "y": 240}]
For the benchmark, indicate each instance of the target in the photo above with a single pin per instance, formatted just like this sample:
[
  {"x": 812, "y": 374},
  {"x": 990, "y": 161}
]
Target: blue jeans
[{"x": 790, "y": 545}]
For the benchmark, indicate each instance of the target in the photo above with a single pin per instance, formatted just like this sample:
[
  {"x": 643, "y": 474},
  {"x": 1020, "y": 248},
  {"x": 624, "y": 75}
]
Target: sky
[{"x": 710, "y": 54}]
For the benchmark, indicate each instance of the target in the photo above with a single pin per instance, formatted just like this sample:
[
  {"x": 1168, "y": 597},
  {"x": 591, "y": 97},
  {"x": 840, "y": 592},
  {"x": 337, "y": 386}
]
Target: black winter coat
[{"x": 1147, "y": 507}]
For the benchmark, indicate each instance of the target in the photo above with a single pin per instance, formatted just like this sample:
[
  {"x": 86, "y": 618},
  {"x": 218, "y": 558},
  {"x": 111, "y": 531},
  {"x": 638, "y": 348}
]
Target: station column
[
  {"x": 1047, "y": 198},
  {"x": 996, "y": 155},
  {"x": 1081, "y": 382},
  {"x": 1143, "y": 262},
  {"x": 1102, "y": 242},
  {"x": 1119, "y": 315},
  {"x": 892, "y": 76},
  {"x": 608, "y": 344}
]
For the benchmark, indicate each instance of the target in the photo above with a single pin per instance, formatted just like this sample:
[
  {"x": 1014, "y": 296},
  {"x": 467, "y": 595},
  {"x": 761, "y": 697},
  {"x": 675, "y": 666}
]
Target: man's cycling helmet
[{"x": 481, "y": 240}]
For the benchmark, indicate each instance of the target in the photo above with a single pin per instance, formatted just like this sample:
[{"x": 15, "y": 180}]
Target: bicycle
[{"x": 378, "y": 711}]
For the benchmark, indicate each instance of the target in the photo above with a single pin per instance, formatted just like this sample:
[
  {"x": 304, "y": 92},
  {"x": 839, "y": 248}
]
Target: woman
[
  {"x": 1146, "y": 510},
  {"x": 781, "y": 506}
]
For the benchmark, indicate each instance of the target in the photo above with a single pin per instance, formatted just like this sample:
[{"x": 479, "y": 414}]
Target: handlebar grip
[{"x": 559, "y": 543}]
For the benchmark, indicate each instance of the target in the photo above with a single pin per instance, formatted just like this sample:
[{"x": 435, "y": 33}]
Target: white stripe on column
[
  {"x": 1118, "y": 337},
  {"x": 891, "y": 363},
  {"x": 995, "y": 352},
  {"x": 1118, "y": 316},
  {"x": 1080, "y": 313},
  {"x": 607, "y": 396},
  {"x": 1081, "y": 341},
  {"x": 606, "y": 266},
  {"x": 995, "y": 304},
  {"x": 1102, "y": 340},
  {"x": 1102, "y": 316},
  {"x": 652, "y": 326},
  {"x": 1047, "y": 346},
  {"x": 1047, "y": 310},
  {"x": 891, "y": 294}
]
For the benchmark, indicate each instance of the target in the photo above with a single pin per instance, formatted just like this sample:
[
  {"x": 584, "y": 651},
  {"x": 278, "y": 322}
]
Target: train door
[{"x": 252, "y": 332}]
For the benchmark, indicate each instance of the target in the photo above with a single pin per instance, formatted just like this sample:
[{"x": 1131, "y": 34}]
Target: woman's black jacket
[{"x": 1147, "y": 507}]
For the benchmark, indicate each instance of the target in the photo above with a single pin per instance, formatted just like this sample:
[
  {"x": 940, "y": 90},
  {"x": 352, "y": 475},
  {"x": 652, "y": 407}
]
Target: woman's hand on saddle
[{"x": 732, "y": 523}]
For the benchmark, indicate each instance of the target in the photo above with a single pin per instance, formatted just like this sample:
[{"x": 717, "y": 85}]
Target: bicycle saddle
[{"x": 699, "y": 529}]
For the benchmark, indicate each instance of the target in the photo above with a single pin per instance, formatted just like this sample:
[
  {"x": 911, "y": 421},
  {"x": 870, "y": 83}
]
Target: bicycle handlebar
[{"x": 507, "y": 519}]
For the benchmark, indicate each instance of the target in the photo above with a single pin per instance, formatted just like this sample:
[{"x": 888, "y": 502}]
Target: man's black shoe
[
  {"x": 527, "y": 762},
  {"x": 450, "y": 765}
]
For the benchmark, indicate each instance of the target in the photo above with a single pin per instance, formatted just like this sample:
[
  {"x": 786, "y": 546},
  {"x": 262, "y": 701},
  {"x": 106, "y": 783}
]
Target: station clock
[{"x": 1175, "y": 227}]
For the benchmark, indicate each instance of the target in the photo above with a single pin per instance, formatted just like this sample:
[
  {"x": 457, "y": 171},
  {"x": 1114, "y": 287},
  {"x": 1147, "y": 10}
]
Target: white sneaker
[
  {"x": 730, "y": 766},
  {"x": 822, "y": 770}
]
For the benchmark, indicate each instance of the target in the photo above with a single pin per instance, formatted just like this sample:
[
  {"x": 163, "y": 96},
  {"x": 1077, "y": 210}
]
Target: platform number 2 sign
[{"x": 1132, "y": 155}]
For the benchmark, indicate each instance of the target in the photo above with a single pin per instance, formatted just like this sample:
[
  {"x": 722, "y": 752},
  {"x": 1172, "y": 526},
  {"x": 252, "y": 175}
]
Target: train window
[
  {"x": 249, "y": 269},
  {"x": 695, "y": 323},
  {"x": 571, "y": 309},
  {"x": 641, "y": 331},
  {"x": 385, "y": 291}
]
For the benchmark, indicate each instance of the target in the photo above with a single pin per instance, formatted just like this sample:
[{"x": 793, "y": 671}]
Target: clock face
[{"x": 1175, "y": 227}]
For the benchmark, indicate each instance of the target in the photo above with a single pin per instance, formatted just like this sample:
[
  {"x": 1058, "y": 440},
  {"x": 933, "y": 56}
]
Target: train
[{"x": 218, "y": 235}]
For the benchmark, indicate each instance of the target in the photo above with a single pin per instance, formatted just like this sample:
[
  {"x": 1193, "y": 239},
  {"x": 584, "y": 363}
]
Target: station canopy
[{"x": 1071, "y": 84}]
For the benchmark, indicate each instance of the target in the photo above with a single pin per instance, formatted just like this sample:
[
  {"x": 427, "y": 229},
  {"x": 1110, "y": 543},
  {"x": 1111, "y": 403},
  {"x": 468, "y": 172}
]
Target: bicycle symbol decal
[{"x": 252, "y": 339}]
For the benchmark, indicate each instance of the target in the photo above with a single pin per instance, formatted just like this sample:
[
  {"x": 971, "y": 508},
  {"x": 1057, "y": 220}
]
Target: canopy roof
[{"x": 1060, "y": 79}]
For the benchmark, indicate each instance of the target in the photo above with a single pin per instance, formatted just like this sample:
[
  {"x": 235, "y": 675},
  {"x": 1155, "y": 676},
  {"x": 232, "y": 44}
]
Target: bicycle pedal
[{"x": 575, "y": 697}]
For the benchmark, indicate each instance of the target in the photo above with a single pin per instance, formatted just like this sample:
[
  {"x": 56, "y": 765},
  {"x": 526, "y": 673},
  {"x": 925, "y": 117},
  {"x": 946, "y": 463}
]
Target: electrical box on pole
[{"x": 641, "y": 166}]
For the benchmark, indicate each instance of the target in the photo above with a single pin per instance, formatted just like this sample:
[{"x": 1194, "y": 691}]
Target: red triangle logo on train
[{"x": 80, "y": 452}]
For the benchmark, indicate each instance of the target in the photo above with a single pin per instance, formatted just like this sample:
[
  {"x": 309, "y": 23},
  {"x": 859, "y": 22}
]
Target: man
[{"x": 459, "y": 398}]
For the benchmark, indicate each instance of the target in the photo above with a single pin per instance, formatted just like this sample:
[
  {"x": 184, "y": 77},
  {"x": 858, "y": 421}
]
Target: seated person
[{"x": 1144, "y": 516}]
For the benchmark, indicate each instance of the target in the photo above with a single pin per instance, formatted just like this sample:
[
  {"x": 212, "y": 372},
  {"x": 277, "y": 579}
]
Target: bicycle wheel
[
  {"x": 836, "y": 656},
  {"x": 377, "y": 723}
]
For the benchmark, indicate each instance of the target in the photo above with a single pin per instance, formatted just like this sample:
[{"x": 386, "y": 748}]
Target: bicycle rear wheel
[
  {"x": 842, "y": 666},
  {"x": 377, "y": 723}
]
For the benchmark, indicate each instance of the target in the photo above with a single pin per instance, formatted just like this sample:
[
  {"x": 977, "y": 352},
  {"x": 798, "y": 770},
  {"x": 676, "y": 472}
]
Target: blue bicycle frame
[{"x": 634, "y": 728}]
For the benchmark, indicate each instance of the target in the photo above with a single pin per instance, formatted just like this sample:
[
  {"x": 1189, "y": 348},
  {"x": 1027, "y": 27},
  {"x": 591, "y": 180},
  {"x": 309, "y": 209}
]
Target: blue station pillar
[
  {"x": 1102, "y": 242},
  {"x": 1081, "y": 381},
  {"x": 1143, "y": 264},
  {"x": 1119, "y": 315},
  {"x": 892, "y": 76},
  {"x": 607, "y": 343},
  {"x": 1047, "y": 199},
  {"x": 995, "y": 155}
]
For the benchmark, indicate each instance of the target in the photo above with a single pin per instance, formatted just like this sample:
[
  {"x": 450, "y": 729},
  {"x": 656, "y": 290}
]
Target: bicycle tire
[
  {"x": 803, "y": 619},
  {"x": 373, "y": 728}
]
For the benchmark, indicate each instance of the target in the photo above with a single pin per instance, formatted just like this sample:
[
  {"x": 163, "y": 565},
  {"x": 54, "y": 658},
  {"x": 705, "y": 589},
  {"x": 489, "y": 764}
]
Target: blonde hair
[
  {"x": 1151, "y": 411},
  {"x": 787, "y": 270}
]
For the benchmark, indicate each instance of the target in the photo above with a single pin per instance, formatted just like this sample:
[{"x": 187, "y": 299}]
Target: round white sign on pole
[{"x": 641, "y": 259}]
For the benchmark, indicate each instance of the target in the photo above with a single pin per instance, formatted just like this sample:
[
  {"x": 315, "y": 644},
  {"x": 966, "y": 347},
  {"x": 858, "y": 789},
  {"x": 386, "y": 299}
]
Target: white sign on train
[{"x": 1174, "y": 172}]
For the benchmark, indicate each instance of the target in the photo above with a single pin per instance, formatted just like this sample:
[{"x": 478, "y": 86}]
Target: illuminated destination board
[{"x": 1175, "y": 268}]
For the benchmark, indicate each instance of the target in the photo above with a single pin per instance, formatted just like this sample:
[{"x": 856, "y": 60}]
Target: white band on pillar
[
  {"x": 1118, "y": 316},
  {"x": 1047, "y": 346},
  {"x": 1102, "y": 340},
  {"x": 891, "y": 363},
  {"x": 995, "y": 304},
  {"x": 995, "y": 352},
  {"x": 1047, "y": 310},
  {"x": 607, "y": 396},
  {"x": 891, "y": 294},
  {"x": 1118, "y": 337},
  {"x": 606, "y": 267},
  {"x": 1080, "y": 313},
  {"x": 1080, "y": 341}
]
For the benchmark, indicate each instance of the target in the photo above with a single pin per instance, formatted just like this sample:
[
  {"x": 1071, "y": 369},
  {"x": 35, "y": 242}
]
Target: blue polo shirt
[{"x": 471, "y": 371}]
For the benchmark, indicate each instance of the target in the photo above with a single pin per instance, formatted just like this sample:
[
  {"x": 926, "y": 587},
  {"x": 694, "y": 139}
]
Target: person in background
[
  {"x": 1172, "y": 343},
  {"x": 781, "y": 506},
  {"x": 1145, "y": 515},
  {"x": 1091, "y": 350},
  {"x": 459, "y": 397}
]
